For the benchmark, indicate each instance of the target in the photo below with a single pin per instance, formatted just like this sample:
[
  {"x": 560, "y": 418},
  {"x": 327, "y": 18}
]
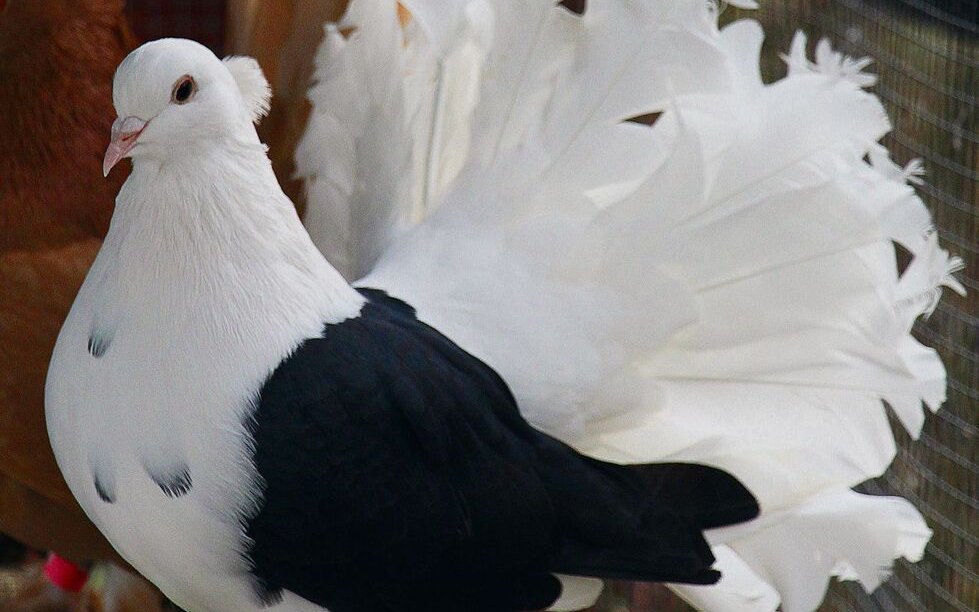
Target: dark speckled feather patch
[{"x": 174, "y": 482}]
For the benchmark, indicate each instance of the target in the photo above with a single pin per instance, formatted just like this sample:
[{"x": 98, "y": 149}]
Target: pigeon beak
[{"x": 125, "y": 132}]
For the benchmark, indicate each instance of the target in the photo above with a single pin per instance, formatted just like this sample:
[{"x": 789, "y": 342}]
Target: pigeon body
[{"x": 251, "y": 432}]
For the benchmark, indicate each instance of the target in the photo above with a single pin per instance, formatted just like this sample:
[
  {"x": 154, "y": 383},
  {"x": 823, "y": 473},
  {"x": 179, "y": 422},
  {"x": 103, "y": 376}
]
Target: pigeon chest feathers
[{"x": 155, "y": 376}]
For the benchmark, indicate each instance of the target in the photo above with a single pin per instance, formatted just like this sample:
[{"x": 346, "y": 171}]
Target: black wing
[
  {"x": 391, "y": 474},
  {"x": 399, "y": 475}
]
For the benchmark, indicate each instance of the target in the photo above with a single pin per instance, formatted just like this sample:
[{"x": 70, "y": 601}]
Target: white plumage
[{"x": 719, "y": 287}]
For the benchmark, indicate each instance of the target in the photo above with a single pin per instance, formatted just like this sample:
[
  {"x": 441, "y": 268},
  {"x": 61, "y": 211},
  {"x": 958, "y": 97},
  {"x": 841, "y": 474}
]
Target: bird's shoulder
[{"x": 385, "y": 367}]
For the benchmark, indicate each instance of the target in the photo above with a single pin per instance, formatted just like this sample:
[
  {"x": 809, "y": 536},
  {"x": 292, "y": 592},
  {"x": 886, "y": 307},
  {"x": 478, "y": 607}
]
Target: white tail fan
[{"x": 720, "y": 287}]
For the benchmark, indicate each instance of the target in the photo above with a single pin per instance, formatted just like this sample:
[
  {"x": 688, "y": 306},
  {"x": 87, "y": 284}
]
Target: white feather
[
  {"x": 357, "y": 154},
  {"x": 825, "y": 536},
  {"x": 720, "y": 287},
  {"x": 255, "y": 90}
]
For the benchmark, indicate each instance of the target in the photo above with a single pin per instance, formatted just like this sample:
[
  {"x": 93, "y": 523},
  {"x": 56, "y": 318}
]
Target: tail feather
[
  {"x": 718, "y": 288},
  {"x": 707, "y": 496},
  {"x": 670, "y": 506},
  {"x": 828, "y": 533},
  {"x": 638, "y": 564}
]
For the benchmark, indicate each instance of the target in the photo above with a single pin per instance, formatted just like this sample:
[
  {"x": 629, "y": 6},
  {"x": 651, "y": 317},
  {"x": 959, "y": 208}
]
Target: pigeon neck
[{"x": 217, "y": 226}]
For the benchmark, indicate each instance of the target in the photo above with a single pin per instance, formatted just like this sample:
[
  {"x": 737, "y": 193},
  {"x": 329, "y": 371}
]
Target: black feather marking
[
  {"x": 103, "y": 491},
  {"x": 175, "y": 482},
  {"x": 649, "y": 119},
  {"x": 98, "y": 344},
  {"x": 709, "y": 497},
  {"x": 395, "y": 305},
  {"x": 398, "y": 474},
  {"x": 266, "y": 596}
]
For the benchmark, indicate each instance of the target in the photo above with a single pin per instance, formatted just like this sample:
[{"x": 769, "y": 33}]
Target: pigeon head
[{"x": 174, "y": 97}]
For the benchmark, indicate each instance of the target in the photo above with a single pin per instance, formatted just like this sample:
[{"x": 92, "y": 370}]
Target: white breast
[{"x": 193, "y": 320}]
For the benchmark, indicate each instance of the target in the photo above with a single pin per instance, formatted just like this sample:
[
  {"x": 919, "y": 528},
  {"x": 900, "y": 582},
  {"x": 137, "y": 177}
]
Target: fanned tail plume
[{"x": 720, "y": 287}]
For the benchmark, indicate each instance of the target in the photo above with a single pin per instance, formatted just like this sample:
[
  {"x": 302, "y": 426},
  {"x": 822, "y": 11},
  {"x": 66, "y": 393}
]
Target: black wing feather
[{"x": 399, "y": 475}]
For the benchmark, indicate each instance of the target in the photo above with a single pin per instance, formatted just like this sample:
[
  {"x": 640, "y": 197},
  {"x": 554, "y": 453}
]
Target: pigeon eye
[{"x": 184, "y": 90}]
